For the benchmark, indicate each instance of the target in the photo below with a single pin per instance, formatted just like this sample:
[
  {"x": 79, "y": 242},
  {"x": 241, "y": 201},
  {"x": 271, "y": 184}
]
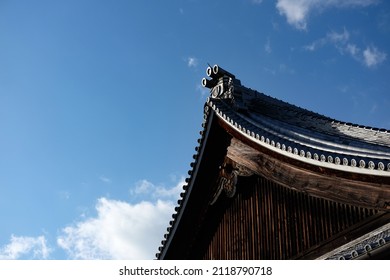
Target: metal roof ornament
[{"x": 221, "y": 84}]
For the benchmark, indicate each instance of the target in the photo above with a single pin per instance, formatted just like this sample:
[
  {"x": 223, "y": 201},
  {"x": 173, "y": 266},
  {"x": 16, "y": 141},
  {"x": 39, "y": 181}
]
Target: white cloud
[
  {"x": 119, "y": 231},
  {"x": 372, "y": 57},
  {"x": 192, "y": 62},
  {"x": 295, "y": 11},
  {"x": 298, "y": 11},
  {"x": 123, "y": 230},
  {"x": 25, "y": 247},
  {"x": 257, "y": 1}
]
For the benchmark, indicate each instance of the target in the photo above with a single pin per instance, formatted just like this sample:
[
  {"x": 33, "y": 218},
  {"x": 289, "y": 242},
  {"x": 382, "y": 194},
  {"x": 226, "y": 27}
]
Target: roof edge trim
[
  {"x": 337, "y": 163},
  {"x": 365, "y": 244},
  {"x": 208, "y": 121}
]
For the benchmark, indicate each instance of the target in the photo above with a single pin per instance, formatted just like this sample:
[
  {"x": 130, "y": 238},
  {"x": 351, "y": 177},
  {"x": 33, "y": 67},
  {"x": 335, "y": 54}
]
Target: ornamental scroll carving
[
  {"x": 227, "y": 179},
  {"x": 224, "y": 89},
  {"x": 221, "y": 84}
]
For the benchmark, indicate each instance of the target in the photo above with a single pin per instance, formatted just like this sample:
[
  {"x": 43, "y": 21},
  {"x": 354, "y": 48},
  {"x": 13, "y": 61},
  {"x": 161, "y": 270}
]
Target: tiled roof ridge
[
  {"x": 362, "y": 164},
  {"x": 366, "y": 157},
  {"x": 303, "y": 111}
]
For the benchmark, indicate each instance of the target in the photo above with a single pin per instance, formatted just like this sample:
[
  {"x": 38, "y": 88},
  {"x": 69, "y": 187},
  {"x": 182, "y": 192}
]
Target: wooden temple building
[{"x": 271, "y": 180}]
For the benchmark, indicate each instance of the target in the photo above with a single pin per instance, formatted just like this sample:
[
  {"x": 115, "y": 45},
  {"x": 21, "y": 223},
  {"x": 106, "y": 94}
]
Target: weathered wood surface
[
  {"x": 265, "y": 220},
  {"x": 323, "y": 183}
]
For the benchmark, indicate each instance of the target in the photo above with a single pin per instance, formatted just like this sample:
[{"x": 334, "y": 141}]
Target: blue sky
[{"x": 101, "y": 104}]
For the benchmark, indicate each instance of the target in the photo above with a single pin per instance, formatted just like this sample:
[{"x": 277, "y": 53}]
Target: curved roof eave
[
  {"x": 298, "y": 133},
  {"x": 187, "y": 189},
  {"x": 329, "y": 155},
  {"x": 363, "y": 161}
]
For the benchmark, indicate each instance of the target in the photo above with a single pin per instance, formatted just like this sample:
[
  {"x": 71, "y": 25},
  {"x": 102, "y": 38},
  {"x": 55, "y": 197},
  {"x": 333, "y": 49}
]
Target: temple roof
[
  {"x": 326, "y": 147},
  {"x": 300, "y": 133}
]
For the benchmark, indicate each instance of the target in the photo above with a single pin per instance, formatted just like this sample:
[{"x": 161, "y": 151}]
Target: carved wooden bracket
[{"x": 227, "y": 178}]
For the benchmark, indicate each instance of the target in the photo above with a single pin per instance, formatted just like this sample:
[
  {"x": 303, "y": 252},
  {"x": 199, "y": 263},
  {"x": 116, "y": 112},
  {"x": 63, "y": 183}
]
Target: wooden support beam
[{"x": 320, "y": 183}]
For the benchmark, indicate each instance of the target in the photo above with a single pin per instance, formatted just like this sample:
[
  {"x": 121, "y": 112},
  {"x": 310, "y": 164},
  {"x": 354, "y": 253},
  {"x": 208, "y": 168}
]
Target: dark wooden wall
[{"x": 267, "y": 221}]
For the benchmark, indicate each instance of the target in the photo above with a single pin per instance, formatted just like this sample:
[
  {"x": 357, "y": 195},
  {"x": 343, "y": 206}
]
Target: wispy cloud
[
  {"x": 374, "y": 108},
  {"x": 335, "y": 38},
  {"x": 343, "y": 88},
  {"x": 105, "y": 179},
  {"x": 267, "y": 46},
  {"x": 370, "y": 57},
  {"x": 25, "y": 247},
  {"x": 65, "y": 195},
  {"x": 257, "y": 1},
  {"x": 192, "y": 61},
  {"x": 269, "y": 70},
  {"x": 338, "y": 38},
  {"x": 284, "y": 68},
  {"x": 144, "y": 187},
  {"x": 281, "y": 69},
  {"x": 298, "y": 11},
  {"x": 122, "y": 230},
  {"x": 352, "y": 49}
]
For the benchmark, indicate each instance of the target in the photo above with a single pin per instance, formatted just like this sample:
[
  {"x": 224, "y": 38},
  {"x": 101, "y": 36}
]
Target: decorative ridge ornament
[{"x": 221, "y": 84}]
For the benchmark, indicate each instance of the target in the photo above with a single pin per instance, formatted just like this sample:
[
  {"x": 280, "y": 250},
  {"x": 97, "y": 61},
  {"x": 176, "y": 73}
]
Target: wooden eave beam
[{"x": 360, "y": 190}]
